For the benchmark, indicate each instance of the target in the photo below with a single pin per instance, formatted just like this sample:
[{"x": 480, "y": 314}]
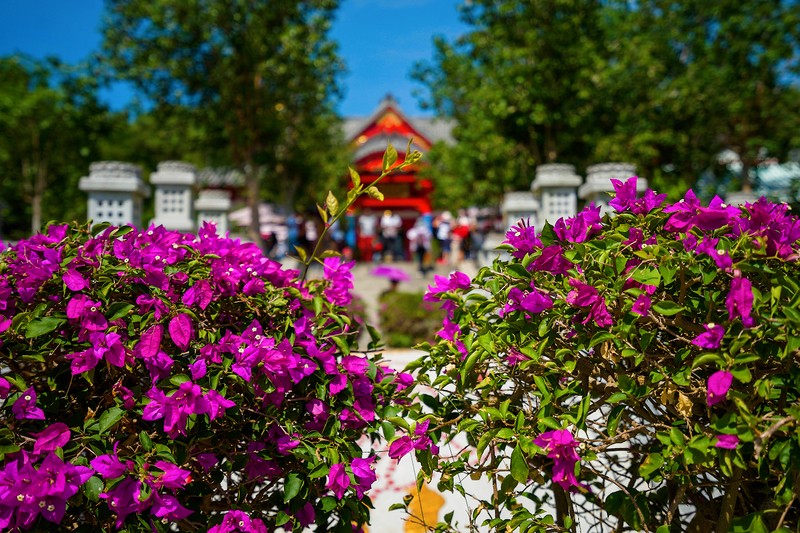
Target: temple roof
[{"x": 433, "y": 129}]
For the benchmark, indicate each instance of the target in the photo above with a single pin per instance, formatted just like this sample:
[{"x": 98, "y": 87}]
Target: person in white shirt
[
  {"x": 391, "y": 224},
  {"x": 419, "y": 242}
]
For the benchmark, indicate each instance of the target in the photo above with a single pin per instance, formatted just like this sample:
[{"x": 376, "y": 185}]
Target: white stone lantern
[
  {"x": 598, "y": 187},
  {"x": 741, "y": 198},
  {"x": 518, "y": 205},
  {"x": 555, "y": 191},
  {"x": 212, "y": 206},
  {"x": 116, "y": 190},
  {"x": 173, "y": 182}
]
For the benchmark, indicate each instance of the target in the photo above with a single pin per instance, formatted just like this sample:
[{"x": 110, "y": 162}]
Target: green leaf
[
  {"x": 323, "y": 214},
  {"x": 120, "y": 231},
  {"x": 109, "y": 418},
  {"x": 647, "y": 276},
  {"x": 374, "y": 193},
  {"x": 292, "y": 486},
  {"x": 178, "y": 379},
  {"x": 651, "y": 463},
  {"x": 42, "y": 326},
  {"x": 341, "y": 343},
  {"x": 332, "y": 203},
  {"x": 118, "y": 310},
  {"x": 667, "y": 308},
  {"x": 146, "y": 441},
  {"x": 752, "y": 523},
  {"x": 468, "y": 364},
  {"x": 355, "y": 177},
  {"x": 328, "y": 503},
  {"x": 92, "y": 488},
  {"x": 519, "y": 465},
  {"x": 709, "y": 358},
  {"x": 389, "y": 157}
]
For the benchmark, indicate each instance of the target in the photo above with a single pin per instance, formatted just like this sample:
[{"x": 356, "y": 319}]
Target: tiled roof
[{"x": 433, "y": 128}]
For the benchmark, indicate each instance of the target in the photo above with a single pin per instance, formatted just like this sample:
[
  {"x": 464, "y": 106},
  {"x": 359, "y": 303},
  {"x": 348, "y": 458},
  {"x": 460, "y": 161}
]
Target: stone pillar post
[
  {"x": 598, "y": 188},
  {"x": 116, "y": 190},
  {"x": 212, "y": 206},
  {"x": 555, "y": 189},
  {"x": 741, "y": 198},
  {"x": 173, "y": 182},
  {"x": 518, "y": 205}
]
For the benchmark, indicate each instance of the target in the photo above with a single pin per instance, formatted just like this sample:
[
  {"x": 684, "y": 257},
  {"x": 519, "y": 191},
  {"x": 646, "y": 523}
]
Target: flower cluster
[
  {"x": 174, "y": 361},
  {"x": 39, "y": 483},
  {"x": 654, "y": 345}
]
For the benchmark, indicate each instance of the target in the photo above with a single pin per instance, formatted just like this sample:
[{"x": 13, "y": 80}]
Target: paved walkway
[{"x": 369, "y": 287}]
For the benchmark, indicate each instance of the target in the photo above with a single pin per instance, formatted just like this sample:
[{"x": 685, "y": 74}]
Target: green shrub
[
  {"x": 636, "y": 372},
  {"x": 152, "y": 378},
  {"x": 406, "y": 320}
]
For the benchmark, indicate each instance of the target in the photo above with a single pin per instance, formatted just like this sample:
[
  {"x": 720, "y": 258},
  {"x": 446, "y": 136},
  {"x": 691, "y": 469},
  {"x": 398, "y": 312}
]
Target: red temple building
[{"x": 405, "y": 193}]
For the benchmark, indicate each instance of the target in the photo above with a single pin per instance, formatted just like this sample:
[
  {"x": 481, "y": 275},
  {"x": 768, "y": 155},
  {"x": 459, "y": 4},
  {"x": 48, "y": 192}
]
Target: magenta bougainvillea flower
[
  {"x": 625, "y": 194},
  {"x": 452, "y": 332},
  {"x": 533, "y": 301},
  {"x": 642, "y": 305},
  {"x": 338, "y": 480},
  {"x": 728, "y": 442},
  {"x": 587, "y": 296},
  {"x": 364, "y": 472},
  {"x": 580, "y": 227},
  {"x": 55, "y": 436},
  {"x": 523, "y": 239},
  {"x": 514, "y": 357},
  {"x": 25, "y": 406},
  {"x": 561, "y": 447},
  {"x": 625, "y": 199},
  {"x": 552, "y": 260},
  {"x": 718, "y": 385},
  {"x": 684, "y": 212},
  {"x": 340, "y": 276},
  {"x": 306, "y": 515},
  {"x": 720, "y": 256},
  {"x": 5, "y": 388},
  {"x": 239, "y": 522},
  {"x": 711, "y": 338},
  {"x": 740, "y": 301},
  {"x": 28, "y": 489},
  {"x": 418, "y": 441}
]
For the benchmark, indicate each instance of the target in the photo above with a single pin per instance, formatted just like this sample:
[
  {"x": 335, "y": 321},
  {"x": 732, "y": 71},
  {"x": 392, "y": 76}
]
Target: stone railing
[
  {"x": 116, "y": 191},
  {"x": 557, "y": 187}
]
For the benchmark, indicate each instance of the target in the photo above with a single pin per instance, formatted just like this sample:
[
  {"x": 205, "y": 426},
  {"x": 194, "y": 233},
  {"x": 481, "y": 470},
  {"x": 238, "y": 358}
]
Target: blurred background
[{"x": 271, "y": 100}]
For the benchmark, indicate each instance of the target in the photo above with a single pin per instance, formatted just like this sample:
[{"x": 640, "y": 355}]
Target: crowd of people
[
  {"x": 426, "y": 239},
  {"x": 386, "y": 237}
]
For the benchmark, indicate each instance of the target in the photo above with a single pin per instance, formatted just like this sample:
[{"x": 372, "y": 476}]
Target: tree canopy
[
  {"x": 260, "y": 76},
  {"x": 50, "y": 129},
  {"x": 664, "y": 84}
]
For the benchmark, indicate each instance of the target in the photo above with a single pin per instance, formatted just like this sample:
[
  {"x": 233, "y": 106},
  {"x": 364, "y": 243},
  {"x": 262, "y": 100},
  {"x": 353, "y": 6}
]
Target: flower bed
[
  {"x": 153, "y": 379},
  {"x": 628, "y": 372}
]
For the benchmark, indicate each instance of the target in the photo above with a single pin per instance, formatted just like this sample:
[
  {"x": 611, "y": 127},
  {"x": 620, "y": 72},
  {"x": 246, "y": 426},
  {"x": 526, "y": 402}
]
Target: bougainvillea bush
[
  {"x": 153, "y": 380},
  {"x": 635, "y": 371}
]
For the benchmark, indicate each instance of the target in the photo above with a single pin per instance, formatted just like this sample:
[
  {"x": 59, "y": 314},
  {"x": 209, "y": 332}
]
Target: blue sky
[{"x": 380, "y": 40}]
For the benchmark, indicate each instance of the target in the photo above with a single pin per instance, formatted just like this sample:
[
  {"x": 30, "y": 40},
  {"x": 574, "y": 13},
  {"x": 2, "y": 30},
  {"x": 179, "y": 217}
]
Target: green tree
[
  {"x": 696, "y": 77},
  {"x": 261, "y": 76},
  {"x": 520, "y": 86},
  {"x": 665, "y": 84},
  {"x": 51, "y": 122}
]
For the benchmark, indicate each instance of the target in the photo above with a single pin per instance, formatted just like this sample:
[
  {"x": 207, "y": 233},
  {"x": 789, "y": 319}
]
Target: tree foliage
[
  {"x": 50, "y": 126},
  {"x": 661, "y": 83},
  {"x": 635, "y": 372},
  {"x": 261, "y": 76},
  {"x": 158, "y": 381}
]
